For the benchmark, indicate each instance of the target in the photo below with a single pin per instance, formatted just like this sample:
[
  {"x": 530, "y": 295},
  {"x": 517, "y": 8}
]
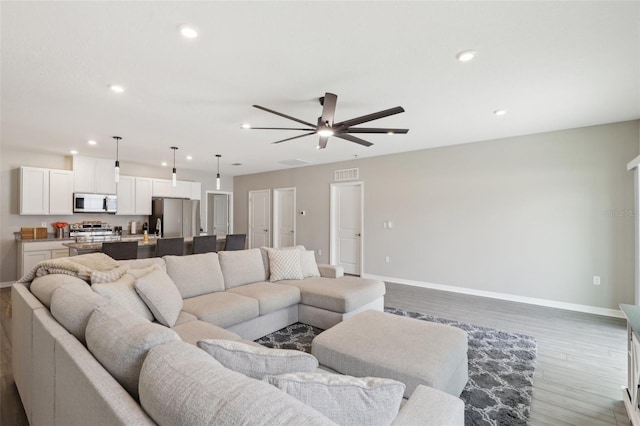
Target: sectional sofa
[{"x": 99, "y": 341}]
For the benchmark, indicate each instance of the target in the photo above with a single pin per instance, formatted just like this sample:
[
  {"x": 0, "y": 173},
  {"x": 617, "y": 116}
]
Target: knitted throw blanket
[{"x": 76, "y": 266}]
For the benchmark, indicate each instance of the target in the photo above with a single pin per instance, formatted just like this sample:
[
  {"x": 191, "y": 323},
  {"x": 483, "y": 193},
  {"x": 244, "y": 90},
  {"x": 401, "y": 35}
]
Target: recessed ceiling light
[
  {"x": 116, "y": 88},
  {"x": 187, "y": 31},
  {"x": 163, "y": 164},
  {"x": 466, "y": 55},
  {"x": 73, "y": 152},
  {"x": 236, "y": 164},
  {"x": 189, "y": 157},
  {"x": 246, "y": 126},
  {"x": 92, "y": 142},
  {"x": 499, "y": 112}
]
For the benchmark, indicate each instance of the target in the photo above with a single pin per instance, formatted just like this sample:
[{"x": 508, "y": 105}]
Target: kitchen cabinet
[
  {"x": 94, "y": 175},
  {"x": 46, "y": 191},
  {"x": 30, "y": 253},
  {"x": 134, "y": 196},
  {"x": 183, "y": 189}
]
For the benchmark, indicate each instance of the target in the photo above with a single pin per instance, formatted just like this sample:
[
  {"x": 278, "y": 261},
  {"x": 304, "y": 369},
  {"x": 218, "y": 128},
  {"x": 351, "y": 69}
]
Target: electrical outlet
[
  {"x": 43, "y": 224},
  {"x": 386, "y": 259},
  {"x": 596, "y": 280},
  {"x": 319, "y": 252}
]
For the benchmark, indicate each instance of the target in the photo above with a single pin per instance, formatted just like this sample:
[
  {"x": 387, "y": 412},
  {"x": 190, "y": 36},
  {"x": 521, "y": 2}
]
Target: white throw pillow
[
  {"x": 257, "y": 361},
  {"x": 308, "y": 264},
  {"x": 285, "y": 265},
  {"x": 123, "y": 293},
  {"x": 161, "y": 295},
  {"x": 346, "y": 400}
]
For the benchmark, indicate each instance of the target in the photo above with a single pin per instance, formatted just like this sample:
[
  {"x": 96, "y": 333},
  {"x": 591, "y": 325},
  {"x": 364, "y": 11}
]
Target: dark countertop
[{"x": 632, "y": 313}]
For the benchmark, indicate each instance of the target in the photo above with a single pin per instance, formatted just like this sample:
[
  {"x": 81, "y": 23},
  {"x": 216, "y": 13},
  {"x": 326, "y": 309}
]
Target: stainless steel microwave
[{"x": 95, "y": 203}]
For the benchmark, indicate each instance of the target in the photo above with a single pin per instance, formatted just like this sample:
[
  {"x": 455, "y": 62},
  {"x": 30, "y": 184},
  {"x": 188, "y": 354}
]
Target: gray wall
[
  {"x": 535, "y": 216},
  {"x": 11, "y": 221}
]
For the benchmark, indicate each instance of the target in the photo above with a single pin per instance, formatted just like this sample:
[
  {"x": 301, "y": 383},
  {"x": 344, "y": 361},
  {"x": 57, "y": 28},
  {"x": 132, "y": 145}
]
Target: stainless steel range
[{"x": 92, "y": 231}]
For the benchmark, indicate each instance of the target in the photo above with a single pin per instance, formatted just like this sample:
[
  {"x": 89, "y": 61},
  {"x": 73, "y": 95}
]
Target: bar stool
[
  {"x": 204, "y": 244},
  {"x": 169, "y": 246},
  {"x": 235, "y": 242},
  {"x": 121, "y": 250}
]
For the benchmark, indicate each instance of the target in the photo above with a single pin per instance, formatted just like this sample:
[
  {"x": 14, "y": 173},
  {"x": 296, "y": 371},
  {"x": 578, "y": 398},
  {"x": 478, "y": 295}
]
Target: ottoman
[{"x": 412, "y": 351}]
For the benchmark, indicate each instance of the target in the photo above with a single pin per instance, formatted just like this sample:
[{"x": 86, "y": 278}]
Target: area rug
[{"x": 501, "y": 367}]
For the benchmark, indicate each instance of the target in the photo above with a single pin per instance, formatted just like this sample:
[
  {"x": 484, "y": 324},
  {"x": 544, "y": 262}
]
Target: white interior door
[
  {"x": 220, "y": 215},
  {"x": 346, "y": 226},
  {"x": 259, "y": 218},
  {"x": 284, "y": 217}
]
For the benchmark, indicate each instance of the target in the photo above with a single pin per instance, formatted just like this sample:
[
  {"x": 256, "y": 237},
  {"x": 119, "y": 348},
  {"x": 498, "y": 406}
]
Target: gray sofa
[{"x": 80, "y": 357}]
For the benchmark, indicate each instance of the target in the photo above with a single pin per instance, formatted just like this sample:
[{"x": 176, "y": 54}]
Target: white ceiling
[{"x": 551, "y": 65}]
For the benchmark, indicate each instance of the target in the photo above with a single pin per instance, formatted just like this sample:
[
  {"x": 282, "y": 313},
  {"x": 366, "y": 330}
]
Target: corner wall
[{"x": 535, "y": 216}]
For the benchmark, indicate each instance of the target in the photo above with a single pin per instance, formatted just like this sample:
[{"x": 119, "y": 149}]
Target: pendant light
[
  {"x": 116, "y": 169},
  {"x": 218, "y": 175},
  {"x": 174, "y": 181}
]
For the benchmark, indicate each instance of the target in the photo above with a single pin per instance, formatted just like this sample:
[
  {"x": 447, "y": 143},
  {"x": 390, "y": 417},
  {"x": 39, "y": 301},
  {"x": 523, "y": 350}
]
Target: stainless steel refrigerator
[{"x": 178, "y": 217}]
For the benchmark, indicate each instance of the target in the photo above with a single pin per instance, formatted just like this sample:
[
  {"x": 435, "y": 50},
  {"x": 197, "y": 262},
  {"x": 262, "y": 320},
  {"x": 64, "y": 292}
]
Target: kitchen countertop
[
  {"x": 97, "y": 245},
  {"x": 50, "y": 237}
]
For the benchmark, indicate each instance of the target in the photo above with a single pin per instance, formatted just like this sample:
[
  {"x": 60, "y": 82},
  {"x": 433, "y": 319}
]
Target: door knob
[
  {"x": 266, "y": 230},
  {"x": 293, "y": 232},
  {"x": 357, "y": 235}
]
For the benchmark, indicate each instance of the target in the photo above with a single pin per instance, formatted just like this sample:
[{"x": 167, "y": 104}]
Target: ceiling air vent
[
  {"x": 346, "y": 174},
  {"x": 295, "y": 162}
]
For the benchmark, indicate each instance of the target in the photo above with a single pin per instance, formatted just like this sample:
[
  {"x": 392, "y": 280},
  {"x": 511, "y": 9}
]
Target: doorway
[
  {"x": 259, "y": 218},
  {"x": 219, "y": 213},
  {"x": 346, "y": 221},
  {"x": 284, "y": 217}
]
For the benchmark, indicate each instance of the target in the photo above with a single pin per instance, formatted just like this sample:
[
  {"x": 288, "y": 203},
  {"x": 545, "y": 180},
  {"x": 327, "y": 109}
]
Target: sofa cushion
[
  {"x": 120, "y": 341},
  {"x": 271, "y": 297},
  {"x": 308, "y": 263},
  {"x": 185, "y": 317},
  {"x": 258, "y": 361},
  {"x": 223, "y": 309},
  {"x": 338, "y": 295},
  {"x": 182, "y": 385},
  {"x": 161, "y": 296},
  {"x": 346, "y": 400},
  {"x": 194, "y": 331},
  {"x": 72, "y": 306},
  {"x": 241, "y": 267},
  {"x": 122, "y": 291},
  {"x": 284, "y": 264},
  {"x": 264, "y": 251},
  {"x": 195, "y": 274},
  {"x": 44, "y": 286}
]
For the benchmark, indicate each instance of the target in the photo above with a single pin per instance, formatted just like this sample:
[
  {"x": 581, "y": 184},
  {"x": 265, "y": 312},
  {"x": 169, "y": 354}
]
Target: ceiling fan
[{"x": 325, "y": 128}]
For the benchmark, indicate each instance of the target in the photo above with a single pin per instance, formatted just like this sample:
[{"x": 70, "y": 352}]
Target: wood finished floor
[{"x": 580, "y": 367}]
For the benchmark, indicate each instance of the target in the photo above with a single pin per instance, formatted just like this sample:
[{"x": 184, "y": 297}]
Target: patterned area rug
[{"x": 501, "y": 368}]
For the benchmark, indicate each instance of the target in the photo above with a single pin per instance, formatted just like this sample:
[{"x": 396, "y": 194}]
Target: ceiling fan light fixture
[{"x": 325, "y": 132}]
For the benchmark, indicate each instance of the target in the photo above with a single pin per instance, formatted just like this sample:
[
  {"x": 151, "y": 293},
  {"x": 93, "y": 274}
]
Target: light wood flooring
[{"x": 580, "y": 368}]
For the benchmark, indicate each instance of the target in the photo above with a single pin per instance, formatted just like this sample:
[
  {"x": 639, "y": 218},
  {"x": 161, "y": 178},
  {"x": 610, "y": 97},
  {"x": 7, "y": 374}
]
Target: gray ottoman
[{"x": 411, "y": 351}]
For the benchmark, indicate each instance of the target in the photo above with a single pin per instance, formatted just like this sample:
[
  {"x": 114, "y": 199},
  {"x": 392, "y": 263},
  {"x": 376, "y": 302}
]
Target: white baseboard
[
  {"x": 616, "y": 313},
  {"x": 6, "y": 284}
]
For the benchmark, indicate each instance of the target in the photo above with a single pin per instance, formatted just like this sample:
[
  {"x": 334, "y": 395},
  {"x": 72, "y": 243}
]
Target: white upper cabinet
[
  {"x": 134, "y": 196},
  {"x": 45, "y": 191},
  {"x": 183, "y": 189},
  {"x": 94, "y": 175}
]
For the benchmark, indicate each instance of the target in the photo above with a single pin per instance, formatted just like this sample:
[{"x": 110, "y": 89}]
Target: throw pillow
[
  {"x": 99, "y": 277},
  {"x": 257, "y": 361},
  {"x": 308, "y": 263},
  {"x": 161, "y": 296},
  {"x": 285, "y": 265},
  {"x": 123, "y": 293},
  {"x": 346, "y": 400}
]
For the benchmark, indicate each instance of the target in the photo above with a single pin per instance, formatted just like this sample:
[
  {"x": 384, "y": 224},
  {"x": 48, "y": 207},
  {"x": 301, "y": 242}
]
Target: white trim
[
  {"x": 6, "y": 284},
  {"x": 230, "y": 207},
  {"x": 276, "y": 217},
  {"x": 633, "y": 163},
  {"x": 332, "y": 222},
  {"x": 616, "y": 313}
]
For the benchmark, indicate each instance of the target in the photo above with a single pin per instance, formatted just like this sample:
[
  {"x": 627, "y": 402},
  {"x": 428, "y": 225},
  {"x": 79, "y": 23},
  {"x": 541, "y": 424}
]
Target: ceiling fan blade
[
  {"x": 370, "y": 117},
  {"x": 374, "y": 130},
  {"x": 281, "y": 128},
  {"x": 328, "y": 108},
  {"x": 295, "y": 137},
  {"x": 322, "y": 143},
  {"x": 353, "y": 139},
  {"x": 285, "y": 116}
]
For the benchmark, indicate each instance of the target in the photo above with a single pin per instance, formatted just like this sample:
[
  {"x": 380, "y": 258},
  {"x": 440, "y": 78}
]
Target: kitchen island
[{"x": 146, "y": 249}]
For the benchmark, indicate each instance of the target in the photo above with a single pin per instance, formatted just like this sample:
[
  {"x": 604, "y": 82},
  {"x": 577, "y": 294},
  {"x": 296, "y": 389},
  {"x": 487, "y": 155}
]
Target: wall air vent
[{"x": 346, "y": 174}]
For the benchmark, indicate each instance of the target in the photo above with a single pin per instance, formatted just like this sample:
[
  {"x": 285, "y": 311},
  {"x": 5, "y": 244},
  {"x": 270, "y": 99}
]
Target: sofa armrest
[
  {"x": 331, "y": 271},
  {"x": 428, "y": 406}
]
